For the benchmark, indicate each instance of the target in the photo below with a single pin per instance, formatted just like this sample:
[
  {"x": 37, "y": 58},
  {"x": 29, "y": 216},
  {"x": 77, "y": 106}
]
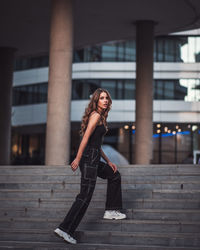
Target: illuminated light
[
  {"x": 179, "y": 130},
  {"x": 169, "y": 131},
  {"x": 165, "y": 129},
  {"x": 133, "y": 127},
  {"x": 174, "y": 132},
  {"x": 121, "y": 131},
  {"x": 189, "y": 126},
  {"x": 194, "y": 127},
  {"x": 158, "y": 125},
  {"x": 126, "y": 127},
  {"x": 158, "y": 131},
  {"x": 14, "y": 148},
  {"x": 177, "y": 127}
]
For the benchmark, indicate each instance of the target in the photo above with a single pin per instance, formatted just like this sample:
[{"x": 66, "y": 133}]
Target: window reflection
[
  {"x": 166, "y": 49},
  {"x": 193, "y": 89},
  {"x": 35, "y": 93},
  {"x": 122, "y": 89}
]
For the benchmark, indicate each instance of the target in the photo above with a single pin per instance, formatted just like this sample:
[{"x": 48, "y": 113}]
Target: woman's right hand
[{"x": 75, "y": 164}]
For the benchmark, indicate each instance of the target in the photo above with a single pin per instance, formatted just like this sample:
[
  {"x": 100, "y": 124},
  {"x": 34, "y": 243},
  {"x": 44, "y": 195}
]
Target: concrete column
[
  {"x": 144, "y": 92},
  {"x": 59, "y": 88},
  {"x": 6, "y": 79}
]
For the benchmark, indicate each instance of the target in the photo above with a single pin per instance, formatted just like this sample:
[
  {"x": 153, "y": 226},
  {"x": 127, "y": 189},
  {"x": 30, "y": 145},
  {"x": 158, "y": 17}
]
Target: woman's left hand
[
  {"x": 113, "y": 166},
  {"x": 75, "y": 164}
]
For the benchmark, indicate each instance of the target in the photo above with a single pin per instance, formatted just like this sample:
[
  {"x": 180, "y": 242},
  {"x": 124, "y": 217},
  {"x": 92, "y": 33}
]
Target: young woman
[{"x": 93, "y": 128}]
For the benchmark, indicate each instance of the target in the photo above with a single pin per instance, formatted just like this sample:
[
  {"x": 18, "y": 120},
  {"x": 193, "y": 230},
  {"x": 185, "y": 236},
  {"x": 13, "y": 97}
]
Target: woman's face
[{"x": 103, "y": 101}]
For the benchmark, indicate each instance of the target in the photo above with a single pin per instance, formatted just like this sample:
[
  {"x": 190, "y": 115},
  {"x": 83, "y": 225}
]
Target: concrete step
[
  {"x": 97, "y": 213},
  {"x": 161, "y": 201},
  {"x": 97, "y": 224},
  {"x": 128, "y": 194},
  {"x": 24, "y": 245},
  {"x": 71, "y": 179},
  {"x": 124, "y": 170},
  {"x": 178, "y": 185},
  {"x": 106, "y": 237},
  {"x": 166, "y": 214},
  {"x": 137, "y": 203},
  {"x": 161, "y": 239}
]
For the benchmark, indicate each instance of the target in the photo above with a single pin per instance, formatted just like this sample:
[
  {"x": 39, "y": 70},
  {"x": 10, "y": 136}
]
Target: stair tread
[
  {"x": 149, "y": 210},
  {"x": 100, "y": 199},
  {"x": 96, "y": 246},
  {"x": 126, "y": 221},
  {"x": 116, "y": 233},
  {"x": 124, "y": 175},
  {"x": 128, "y": 165},
  {"x": 125, "y": 190},
  {"x": 135, "y": 181}
]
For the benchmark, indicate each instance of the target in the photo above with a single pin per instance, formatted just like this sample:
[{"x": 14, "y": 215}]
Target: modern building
[
  {"x": 112, "y": 65},
  {"x": 138, "y": 53}
]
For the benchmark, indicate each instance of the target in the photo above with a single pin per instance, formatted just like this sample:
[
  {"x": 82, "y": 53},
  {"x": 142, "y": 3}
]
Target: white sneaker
[
  {"x": 65, "y": 236},
  {"x": 114, "y": 214}
]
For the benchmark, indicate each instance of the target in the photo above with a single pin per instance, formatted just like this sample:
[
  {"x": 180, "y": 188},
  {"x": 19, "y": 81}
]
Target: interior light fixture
[
  {"x": 126, "y": 127},
  {"x": 133, "y": 127},
  {"x": 158, "y": 125},
  {"x": 194, "y": 127}
]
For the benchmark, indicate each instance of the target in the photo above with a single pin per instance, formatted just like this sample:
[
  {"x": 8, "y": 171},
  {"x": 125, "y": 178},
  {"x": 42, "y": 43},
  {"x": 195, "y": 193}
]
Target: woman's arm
[
  {"x": 112, "y": 165},
  {"x": 93, "y": 121}
]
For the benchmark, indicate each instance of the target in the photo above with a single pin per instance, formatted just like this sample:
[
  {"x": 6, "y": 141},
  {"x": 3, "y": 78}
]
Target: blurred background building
[{"x": 112, "y": 65}]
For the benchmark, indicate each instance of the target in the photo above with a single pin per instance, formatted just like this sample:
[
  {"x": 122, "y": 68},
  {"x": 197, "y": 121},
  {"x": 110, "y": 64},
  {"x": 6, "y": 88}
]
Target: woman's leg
[
  {"x": 80, "y": 205},
  {"x": 114, "y": 193}
]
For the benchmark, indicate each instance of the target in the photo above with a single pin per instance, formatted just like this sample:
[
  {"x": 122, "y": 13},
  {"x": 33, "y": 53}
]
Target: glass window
[
  {"x": 169, "y": 50},
  {"x": 197, "y": 51},
  {"x": 78, "y": 56},
  {"x": 43, "y": 89},
  {"x": 160, "y": 50},
  {"x": 95, "y": 54},
  {"x": 91, "y": 86},
  {"x": 77, "y": 89},
  {"x": 109, "y": 52},
  {"x": 82, "y": 89},
  {"x": 120, "y": 89},
  {"x": 191, "y": 49},
  {"x": 159, "y": 90},
  {"x": 129, "y": 90},
  {"x": 166, "y": 49},
  {"x": 169, "y": 90},
  {"x": 120, "y": 52},
  {"x": 193, "y": 89},
  {"x": 110, "y": 85},
  {"x": 179, "y": 42},
  {"x": 180, "y": 91},
  {"x": 35, "y": 93},
  {"x": 130, "y": 51}
]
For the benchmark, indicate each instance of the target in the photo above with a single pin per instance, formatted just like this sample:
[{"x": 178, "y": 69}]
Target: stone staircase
[{"x": 162, "y": 203}]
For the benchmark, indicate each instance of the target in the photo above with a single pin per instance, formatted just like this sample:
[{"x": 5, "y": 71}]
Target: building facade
[{"x": 176, "y": 115}]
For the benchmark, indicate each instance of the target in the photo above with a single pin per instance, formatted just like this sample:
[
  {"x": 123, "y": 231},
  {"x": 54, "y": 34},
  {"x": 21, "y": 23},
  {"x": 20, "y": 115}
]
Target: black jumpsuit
[{"x": 91, "y": 167}]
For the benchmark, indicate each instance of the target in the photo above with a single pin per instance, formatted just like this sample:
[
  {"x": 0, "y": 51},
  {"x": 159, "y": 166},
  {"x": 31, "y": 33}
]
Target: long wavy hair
[{"x": 93, "y": 106}]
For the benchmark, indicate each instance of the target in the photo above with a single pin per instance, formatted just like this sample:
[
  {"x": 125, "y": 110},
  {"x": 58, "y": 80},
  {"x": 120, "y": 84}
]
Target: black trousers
[{"x": 91, "y": 167}]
